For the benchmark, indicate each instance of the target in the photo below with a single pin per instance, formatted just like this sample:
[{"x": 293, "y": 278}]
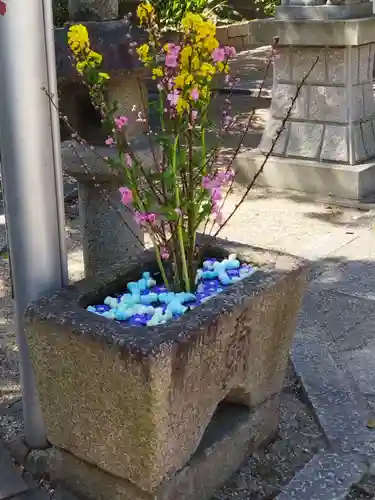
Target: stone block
[
  {"x": 135, "y": 401},
  {"x": 109, "y": 231},
  {"x": 312, "y": 178},
  {"x": 356, "y": 104},
  {"x": 368, "y": 139},
  {"x": 336, "y": 70},
  {"x": 370, "y": 75},
  {"x": 302, "y": 61},
  {"x": 305, "y": 139},
  {"x": 368, "y": 100},
  {"x": 328, "y": 104},
  {"x": 353, "y": 60},
  {"x": 282, "y": 68},
  {"x": 359, "y": 152},
  {"x": 343, "y": 33},
  {"x": 282, "y": 98},
  {"x": 270, "y": 134},
  {"x": 238, "y": 29},
  {"x": 364, "y": 63},
  {"x": 324, "y": 12},
  {"x": 129, "y": 92},
  {"x": 326, "y": 476},
  {"x": 231, "y": 436},
  {"x": 335, "y": 144}
]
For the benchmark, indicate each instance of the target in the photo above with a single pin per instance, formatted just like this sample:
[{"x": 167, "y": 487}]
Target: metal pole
[{"x": 32, "y": 176}]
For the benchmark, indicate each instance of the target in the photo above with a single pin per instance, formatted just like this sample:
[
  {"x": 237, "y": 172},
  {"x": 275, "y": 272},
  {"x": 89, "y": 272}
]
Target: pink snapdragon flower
[
  {"x": 126, "y": 195},
  {"x": 128, "y": 160},
  {"x": 194, "y": 115},
  {"x": 230, "y": 51},
  {"x": 214, "y": 186},
  {"x": 121, "y": 121},
  {"x": 194, "y": 94},
  {"x": 173, "y": 98},
  {"x": 164, "y": 253},
  {"x": 171, "y": 60},
  {"x": 218, "y": 55},
  {"x": 110, "y": 141},
  {"x": 142, "y": 218}
]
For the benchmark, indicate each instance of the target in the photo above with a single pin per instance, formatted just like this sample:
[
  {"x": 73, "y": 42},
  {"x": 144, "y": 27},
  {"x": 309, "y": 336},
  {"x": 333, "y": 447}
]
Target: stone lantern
[{"x": 327, "y": 146}]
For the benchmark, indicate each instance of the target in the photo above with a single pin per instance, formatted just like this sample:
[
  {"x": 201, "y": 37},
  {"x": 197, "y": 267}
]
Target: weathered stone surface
[
  {"x": 109, "y": 39},
  {"x": 301, "y": 65},
  {"x": 327, "y": 476},
  {"x": 368, "y": 139},
  {"x": 359, "y": 152},
  {"x": 328, "y": 104},
  {"x": 110, "y": 233},
  {"x": 93, "y": 10},
  {"x": 336, "y": 65},
  {"x": 11, "y": 482},
  {"x": 335, "y": 144},
  {"x": 232, "y": 435},
  {"x": 356, "y": 109},
  {"x": 364, "y": 63},
  {"x": 130, "y": 92},
  {"x": 368, "y": 100},
  {"x": 282, "y": 100},
  {"x": 324, "y": 12},
  {"x": 270, "y": 135},
  {"x": 305, "y": 139},
  {"x": 136, "y": 401},
  {"x": 293, "y": 32},
  {"x": 282, "y": 67}
]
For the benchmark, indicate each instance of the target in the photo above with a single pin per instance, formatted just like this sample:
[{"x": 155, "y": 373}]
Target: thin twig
[
  {"x": 245, "y": 131},
  {"x": 269, "y": 153}
]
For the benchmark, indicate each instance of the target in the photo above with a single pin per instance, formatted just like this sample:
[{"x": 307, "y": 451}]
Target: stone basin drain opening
[{"x": 227, "y": 419}]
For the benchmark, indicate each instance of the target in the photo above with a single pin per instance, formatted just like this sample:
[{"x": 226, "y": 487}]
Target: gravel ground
[{"x": 299, "y": 437}]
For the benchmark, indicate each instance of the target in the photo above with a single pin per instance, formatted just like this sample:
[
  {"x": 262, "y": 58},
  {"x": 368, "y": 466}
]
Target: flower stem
[{"x": 185, "y": 273}]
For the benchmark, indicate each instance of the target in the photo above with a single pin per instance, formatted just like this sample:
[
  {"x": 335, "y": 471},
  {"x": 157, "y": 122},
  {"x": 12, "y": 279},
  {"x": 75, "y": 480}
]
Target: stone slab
[
  {"x": 351, "y": 182},
  {"x": 234, "y": 432},
  {"x": 332, "y": 314},
  {"x": 34, "y": 494},
  {"x": 11, "y": 482},
  {"x": 339, "y": 407},
  {"x": 313, "y": 33},
  {"x": 361, "y": 364},
  {"x": 324, "y": 12},
  {"x": 326, "y": 476}
]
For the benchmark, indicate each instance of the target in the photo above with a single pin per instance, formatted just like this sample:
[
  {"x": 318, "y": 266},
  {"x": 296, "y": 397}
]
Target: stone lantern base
[{"x": 327, "y": 145}]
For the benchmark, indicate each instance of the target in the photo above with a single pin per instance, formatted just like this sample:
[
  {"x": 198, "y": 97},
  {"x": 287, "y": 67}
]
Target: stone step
[
  {"x": 326, "y": 476},
  {"x": 11, "y": 482}
]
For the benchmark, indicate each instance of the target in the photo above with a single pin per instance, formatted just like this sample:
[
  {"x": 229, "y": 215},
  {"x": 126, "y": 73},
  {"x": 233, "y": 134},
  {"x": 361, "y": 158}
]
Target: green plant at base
[
  {"x": 267, "y": 7},
  {"x": 171, "y": 12}
]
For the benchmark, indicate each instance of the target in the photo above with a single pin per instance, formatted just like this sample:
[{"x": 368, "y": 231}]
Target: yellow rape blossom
[
  {"x": 157, "y": 72},
  {"x": 144, "y": 12},
  {"x": 143, "y": 52},
  {"x": 182, "y": 105},
  {"x": 183, "y": 79},
  {"x": 78, "y": 38},
  {"x": 207, "y": 70},
  {"x": 185, "y": 56},
  {"x": 210, "y": 44}
]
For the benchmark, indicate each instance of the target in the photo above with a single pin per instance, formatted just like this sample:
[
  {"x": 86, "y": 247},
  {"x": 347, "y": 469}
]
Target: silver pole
[{"x": 31, "y": 175}]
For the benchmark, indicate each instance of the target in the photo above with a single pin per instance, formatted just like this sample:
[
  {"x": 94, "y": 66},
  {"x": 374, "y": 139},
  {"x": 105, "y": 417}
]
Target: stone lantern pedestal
[{"x": 327, "y": 146}]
